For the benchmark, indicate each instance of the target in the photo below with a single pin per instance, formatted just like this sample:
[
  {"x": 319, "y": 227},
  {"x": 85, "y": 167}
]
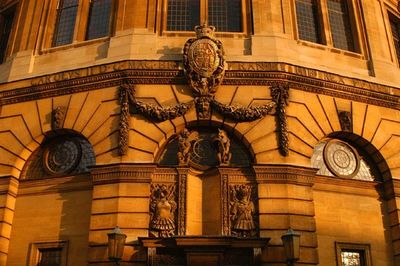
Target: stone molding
[
  {"x": 170, "y": 72},
  {"x": 126, "y": 173},
  {"x": 289, "y": 174}
]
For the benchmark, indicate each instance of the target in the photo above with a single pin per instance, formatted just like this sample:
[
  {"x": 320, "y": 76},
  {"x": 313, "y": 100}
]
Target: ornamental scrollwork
[
  {"x": 162, "y": 210},
  {"x": 242, "y": 211}
]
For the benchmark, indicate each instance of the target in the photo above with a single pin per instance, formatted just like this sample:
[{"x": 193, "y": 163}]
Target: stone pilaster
[
  {"x": 285, "y": 199},
  {"x": 120, "y": 198},
  {"x": 8, "y": 194}
]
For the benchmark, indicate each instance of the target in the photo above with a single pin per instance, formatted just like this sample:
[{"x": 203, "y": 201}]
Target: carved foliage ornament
[
  {"x": 163, "y": 210},
  {"x": 280, "y": 95}
]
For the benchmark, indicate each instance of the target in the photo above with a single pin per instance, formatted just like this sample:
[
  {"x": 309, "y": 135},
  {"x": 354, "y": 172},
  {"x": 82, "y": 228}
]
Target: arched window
[
  {"x": 60, "y": 155},
  {"x": 335, "y": 157},
  {"x": 184, "y": 15}
]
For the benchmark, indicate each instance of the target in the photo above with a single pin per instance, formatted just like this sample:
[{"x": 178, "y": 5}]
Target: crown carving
[{"x": 204, "y": 31}]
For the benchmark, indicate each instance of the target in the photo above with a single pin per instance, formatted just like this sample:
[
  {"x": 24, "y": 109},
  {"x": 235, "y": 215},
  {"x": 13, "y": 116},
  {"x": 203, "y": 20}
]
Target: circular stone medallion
[
  {"x": 203, "y": 57},
  {"x": 341, "y": 159},
  {"x": 62, "y": 156}
]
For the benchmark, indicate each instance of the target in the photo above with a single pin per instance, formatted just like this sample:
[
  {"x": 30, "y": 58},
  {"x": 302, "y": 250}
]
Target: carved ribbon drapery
[
  {"x": 280, "y": 95},
  {"x": 124, "y": 124},
  {"x": 159, "y": 113}
]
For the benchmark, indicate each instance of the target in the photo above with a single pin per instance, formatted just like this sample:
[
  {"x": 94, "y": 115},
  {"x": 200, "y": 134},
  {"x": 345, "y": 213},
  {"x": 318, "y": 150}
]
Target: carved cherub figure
[
  {"x": 185, "y": 140},
  {"x": 224, "y": 144},
  {"x": 163, "y": 207}
]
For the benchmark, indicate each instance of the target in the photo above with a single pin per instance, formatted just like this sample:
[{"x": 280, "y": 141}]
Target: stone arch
[
  {"x": 239, "y": 142},
  {"x": 70, "y": 142}
]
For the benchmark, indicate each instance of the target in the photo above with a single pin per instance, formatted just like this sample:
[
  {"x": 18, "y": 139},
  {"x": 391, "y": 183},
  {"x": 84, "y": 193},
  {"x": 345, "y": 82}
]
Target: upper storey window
[
  {"x": 6, "y": 22},
  {"x": 327, "y": 22},
  {"x": 395, "y": 26},
  {"x": 93, "y": 23},
  {"x": 99, "y": 19},
  {"x": 66, "y": 18},
  {"x": 184, "y": 15}
]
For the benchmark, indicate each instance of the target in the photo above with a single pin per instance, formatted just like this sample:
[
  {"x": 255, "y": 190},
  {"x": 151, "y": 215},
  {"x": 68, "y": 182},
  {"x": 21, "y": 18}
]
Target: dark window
[
  {"x": 50, "y": 257},
  {"x": 395, "y": 25},
  {"x": 225, "y": 15},
  {"x": 6, "y": 21},
  {"x": 339, "y": 20},
  {"x": 307, "y": 20},
  {"x": 66, "y": 16},
  {"x": 99, "y": 19},
  {"x": 183, "y": 15}
]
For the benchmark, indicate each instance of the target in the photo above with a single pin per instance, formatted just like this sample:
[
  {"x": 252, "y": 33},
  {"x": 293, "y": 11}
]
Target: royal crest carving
[
  {"x": 162, "y": 210},
  {"x": 204, "y": 61},
  {"x": 242, "y": 211},
  {"x": 185, "y": 145},
  {"x": 224, "y": 154}
]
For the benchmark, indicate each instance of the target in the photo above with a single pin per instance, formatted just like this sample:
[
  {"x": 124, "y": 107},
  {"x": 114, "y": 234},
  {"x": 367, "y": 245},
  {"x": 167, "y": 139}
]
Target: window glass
[
  {"x": 307, "y": 20},
  {"x": 50, "y": 257},
  {"x": 351, "y": 258},
  {"x": 66, "y": 17},
  {"x": 395, "y": 26},
  {"x": 225, "y": 15},
  {"x": 6, "y": 21},
  {"x": 183, "y": 15},
  {"x": 99, "y": 19},
  {"x": 340, "y": 25}
]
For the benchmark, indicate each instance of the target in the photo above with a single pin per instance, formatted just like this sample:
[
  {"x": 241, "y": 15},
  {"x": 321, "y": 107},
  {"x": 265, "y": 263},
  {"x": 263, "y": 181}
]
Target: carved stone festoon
[
  {"x": 58, "y": 117},
  {"x": 163, "y": 210},
  {"x": 280, "y": 95},
  {"x": 242, "y": 211}
]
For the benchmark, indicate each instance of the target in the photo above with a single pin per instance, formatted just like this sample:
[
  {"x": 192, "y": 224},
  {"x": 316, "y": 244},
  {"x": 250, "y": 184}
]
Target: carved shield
[{"x": 203, "y": 57}]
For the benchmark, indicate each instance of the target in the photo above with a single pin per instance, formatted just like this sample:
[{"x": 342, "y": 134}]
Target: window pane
[
  {"x": 307, "y": 20},
  {"x": 225, "y": 15},
  {"x": 50, "y": 257},
  {"x": 99, "y": 19},
  {"x": 395, "y": 25},
  {"x": 340, "y": 25},
  {"x": 351, "y": 258},
  {"x": 65, "y": 22},
  {"x": 5, "y": 30},
  {"x": 183, "y": 15}
]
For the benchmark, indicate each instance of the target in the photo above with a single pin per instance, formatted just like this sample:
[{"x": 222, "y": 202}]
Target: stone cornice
[
  {"x": 285, "y": 174},
  {"x": 170, "y": 72},
  {"x": 122, "y": 173}
]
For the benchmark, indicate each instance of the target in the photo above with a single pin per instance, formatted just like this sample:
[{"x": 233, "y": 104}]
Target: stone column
[
  {"x": 285, "y": 197},
  {"x": 120, "y": 198}
]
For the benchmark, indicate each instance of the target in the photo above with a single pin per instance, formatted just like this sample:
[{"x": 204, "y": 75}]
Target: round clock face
[
  {"x": 203, "y": 155},
  {"x": 341, "y": 159},
  {"x": 62, "y": 156}
]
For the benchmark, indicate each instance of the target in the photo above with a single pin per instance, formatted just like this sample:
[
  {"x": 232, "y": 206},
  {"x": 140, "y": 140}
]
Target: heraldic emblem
[{"x": 204, "y": 65}]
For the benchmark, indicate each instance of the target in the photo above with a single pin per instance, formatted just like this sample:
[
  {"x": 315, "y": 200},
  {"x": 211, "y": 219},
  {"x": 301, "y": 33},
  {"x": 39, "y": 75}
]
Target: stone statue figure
[
  {"x": 242, "y": 211},
  {"x": 185, "y": 140},
  {"x": 162, "y": 210},
  {"x": 224, "y": 144}
]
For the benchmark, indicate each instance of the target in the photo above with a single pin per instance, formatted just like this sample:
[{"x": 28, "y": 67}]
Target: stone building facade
[{"x": 202, "y": 145}]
